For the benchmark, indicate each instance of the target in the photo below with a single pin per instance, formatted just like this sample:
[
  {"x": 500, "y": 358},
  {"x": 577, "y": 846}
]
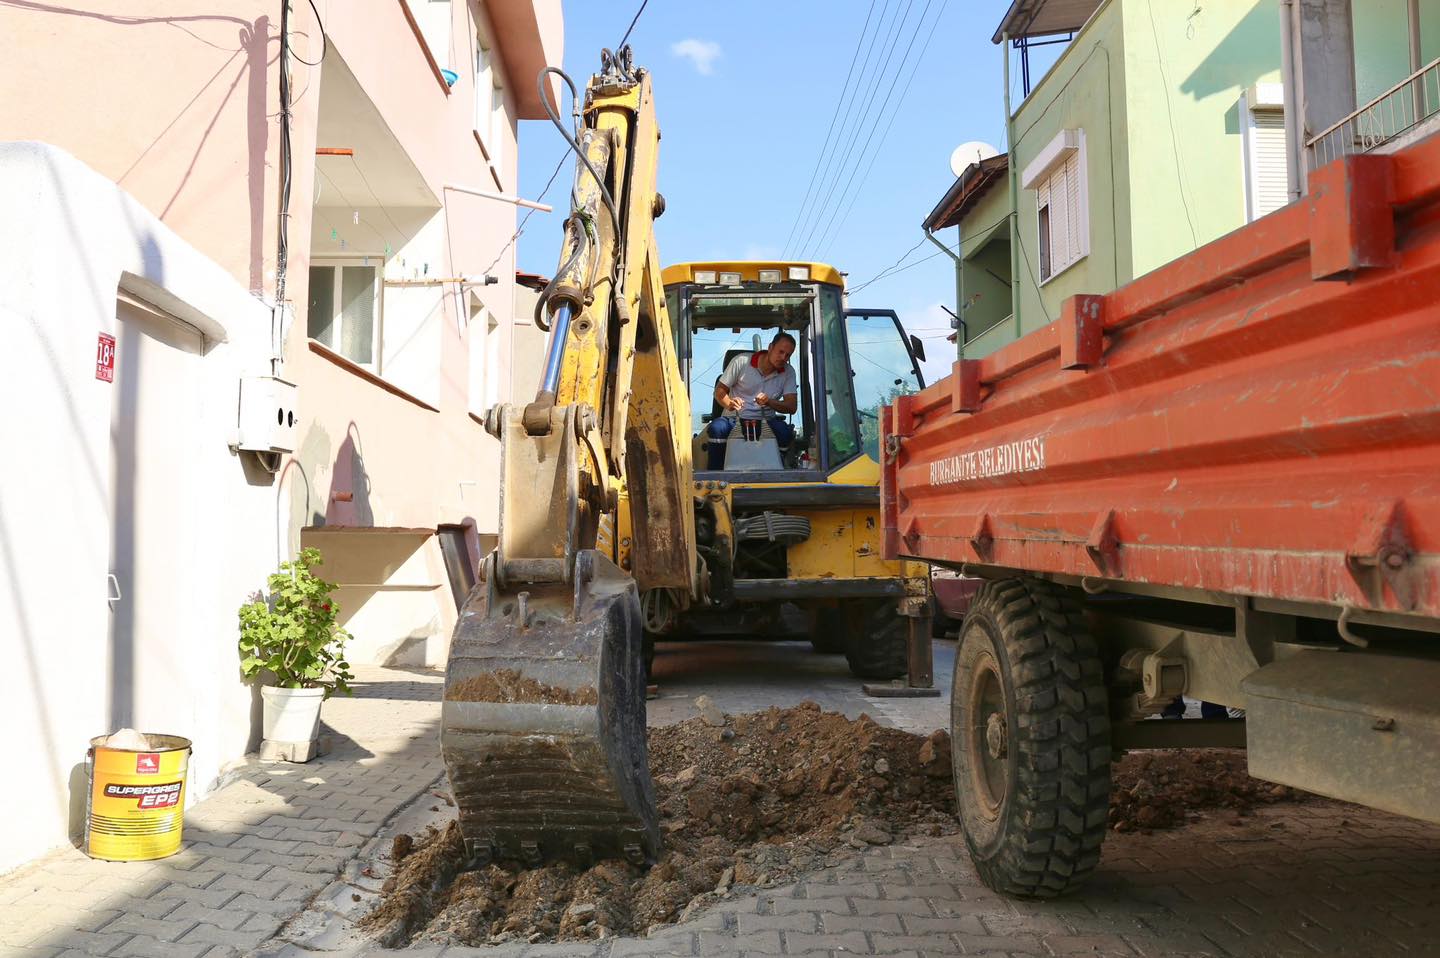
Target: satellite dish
[{"x": 972, "y": 152}]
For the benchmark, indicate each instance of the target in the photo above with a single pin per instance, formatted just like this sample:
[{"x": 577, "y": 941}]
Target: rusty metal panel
[{"x": 1243, "y": 428}]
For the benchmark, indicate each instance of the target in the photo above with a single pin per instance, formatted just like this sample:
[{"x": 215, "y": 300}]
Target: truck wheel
[
  {"x": 1030, "y": 734},
  {"x": 827, "y": 633},
  {"x": 877, "y": 640}
]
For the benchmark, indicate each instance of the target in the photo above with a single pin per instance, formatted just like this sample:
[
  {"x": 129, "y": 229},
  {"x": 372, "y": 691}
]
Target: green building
[{"x": 1163, "y": 125}]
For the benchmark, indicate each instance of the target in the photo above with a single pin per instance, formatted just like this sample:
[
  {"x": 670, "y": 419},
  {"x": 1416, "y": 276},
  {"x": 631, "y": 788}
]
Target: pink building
[{"x": 146, "y": 162}]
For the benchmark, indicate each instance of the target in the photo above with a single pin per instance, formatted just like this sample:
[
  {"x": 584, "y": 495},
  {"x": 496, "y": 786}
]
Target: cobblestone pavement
[
  {"x": 275, "y": 861},
  {"x": 256, "y": 851}
]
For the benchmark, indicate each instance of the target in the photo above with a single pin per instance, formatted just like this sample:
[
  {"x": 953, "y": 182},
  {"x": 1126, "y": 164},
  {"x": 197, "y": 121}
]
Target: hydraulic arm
[{"x": 543, "y": 722}]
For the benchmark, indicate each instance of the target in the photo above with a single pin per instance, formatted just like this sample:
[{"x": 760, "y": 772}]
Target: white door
[{"x": 155, "y": 529}]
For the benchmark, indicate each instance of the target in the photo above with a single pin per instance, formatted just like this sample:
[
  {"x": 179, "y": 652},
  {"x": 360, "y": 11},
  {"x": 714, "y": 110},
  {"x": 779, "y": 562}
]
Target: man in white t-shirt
[{"x": 758, "y": 386}]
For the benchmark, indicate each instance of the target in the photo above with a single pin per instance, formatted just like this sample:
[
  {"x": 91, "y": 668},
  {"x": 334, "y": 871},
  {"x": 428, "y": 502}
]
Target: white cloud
[{"x": 701, "y": 53}]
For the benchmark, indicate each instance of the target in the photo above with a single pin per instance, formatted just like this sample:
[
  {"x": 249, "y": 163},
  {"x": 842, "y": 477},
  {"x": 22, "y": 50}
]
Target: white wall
[{"x": 70, "y": 239}]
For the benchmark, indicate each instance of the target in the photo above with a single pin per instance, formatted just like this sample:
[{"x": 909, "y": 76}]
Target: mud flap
[{"x": 543, "y": 721}]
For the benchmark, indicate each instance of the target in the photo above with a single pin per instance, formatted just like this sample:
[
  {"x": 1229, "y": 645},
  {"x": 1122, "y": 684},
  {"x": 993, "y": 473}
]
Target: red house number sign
[{"x": 105, "y": 358}]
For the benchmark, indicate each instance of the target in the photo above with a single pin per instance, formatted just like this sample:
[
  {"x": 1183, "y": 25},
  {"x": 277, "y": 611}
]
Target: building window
[
  {"x": 344, "y": 310},
  {"x": 433, "y": 18},
  {"x": 1057, "y": 175},
  {"x": 497, "y": 124},
  {"x": 1262, "y": 141},
  {"x": 485, "y": 90}
]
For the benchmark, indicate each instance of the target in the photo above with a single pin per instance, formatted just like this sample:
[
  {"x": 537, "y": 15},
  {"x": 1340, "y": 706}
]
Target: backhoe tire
[
  {"x": 647, "y": 653},
  {"x": 877, "y": 640},
  {"x": 827, "y": 632},
  {"x": 1030, "y": 735}
]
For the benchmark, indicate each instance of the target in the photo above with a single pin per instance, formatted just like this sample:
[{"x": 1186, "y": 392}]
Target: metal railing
[{"x": 1395, "y": 112}]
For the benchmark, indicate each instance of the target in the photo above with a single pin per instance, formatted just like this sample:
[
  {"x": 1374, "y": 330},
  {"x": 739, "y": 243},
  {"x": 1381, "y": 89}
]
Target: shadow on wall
[
  {"x": 253, "y": 40},
  {"x": 1248, "y": 53},
  {"x": 349, "y": 503}
]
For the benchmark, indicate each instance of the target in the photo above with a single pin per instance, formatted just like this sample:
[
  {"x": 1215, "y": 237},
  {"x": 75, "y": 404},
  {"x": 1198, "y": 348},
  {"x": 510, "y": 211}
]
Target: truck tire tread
[
  {"x": 878, "y": 643},
  {"x": 1053, "y": 820}
]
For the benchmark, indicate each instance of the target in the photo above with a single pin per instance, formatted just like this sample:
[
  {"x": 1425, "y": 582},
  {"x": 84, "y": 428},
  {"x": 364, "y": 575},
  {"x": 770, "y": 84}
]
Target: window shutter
[
  {"x": 1076, "y": 246},
  {"x": 1270, "y": 185},
  {"x": 1060, "y": 252}
]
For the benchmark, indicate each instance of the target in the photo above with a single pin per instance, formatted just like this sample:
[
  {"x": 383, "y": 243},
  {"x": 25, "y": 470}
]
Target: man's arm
[
  {"x": 723, "y": 397},
  {"x": 729, "y": 376},
  {"x": 785, "y": 404}
]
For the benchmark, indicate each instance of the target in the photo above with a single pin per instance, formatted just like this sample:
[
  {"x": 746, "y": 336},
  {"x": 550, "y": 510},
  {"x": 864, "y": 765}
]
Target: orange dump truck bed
[{"x": 1260, "y": 417}]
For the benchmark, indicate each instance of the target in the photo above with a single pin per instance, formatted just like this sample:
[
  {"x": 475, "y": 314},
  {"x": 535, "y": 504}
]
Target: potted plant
[{"x": 292, "y": 635}]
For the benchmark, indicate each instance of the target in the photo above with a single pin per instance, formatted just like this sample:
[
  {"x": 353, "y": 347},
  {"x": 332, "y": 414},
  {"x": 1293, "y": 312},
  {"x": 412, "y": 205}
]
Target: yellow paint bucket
[{"x": 137, "y": 799}]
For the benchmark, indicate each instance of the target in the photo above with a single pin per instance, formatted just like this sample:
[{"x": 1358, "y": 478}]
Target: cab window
[
  {"x": 842, "y": 429},
  {"x": 882, "y": 368}
]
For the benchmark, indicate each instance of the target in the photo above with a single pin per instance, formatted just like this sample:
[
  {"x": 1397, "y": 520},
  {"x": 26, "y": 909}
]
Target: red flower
[{"x": 326, "y": 607}]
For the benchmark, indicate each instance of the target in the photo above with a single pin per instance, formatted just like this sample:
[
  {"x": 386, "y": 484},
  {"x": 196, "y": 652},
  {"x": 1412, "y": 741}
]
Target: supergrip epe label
[{"x": 164, "y": 795}]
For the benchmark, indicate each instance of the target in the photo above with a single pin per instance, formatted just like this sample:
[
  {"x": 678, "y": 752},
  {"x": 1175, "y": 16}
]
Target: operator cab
[{"x": 846, "y": 365}]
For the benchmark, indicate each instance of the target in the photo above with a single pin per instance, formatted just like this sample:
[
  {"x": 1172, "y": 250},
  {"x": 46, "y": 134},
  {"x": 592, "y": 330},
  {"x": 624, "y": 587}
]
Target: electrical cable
[
  {"x": 324, "y": 38},
  {"x": 875, "y": 122},
  {"x": 891, "y": 271},
  {"x": 632, "y": 24},
  {"x": 831, "y": 154},
  {"x": 827, "y": 237},
  {"x": 528, "y": 213},
  {"x": 844, "y": 88},
  {"x": 282, "y": 241},
  {"x": 865, "y": 117},
  {"x": 1170, "y": 116}
]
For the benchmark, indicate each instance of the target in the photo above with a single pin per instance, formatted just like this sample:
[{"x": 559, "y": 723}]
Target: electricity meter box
[{"x": 268, "y": 416}]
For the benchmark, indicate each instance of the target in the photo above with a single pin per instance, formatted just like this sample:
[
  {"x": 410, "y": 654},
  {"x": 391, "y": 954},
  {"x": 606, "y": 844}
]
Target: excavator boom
[{"x": 543, "y": 720}]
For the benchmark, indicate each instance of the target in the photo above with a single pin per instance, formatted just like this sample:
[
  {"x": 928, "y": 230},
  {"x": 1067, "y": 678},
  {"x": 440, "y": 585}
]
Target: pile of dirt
[
  {"x": 750, "y": 802},
  {"x": 1166, "y": 789}
]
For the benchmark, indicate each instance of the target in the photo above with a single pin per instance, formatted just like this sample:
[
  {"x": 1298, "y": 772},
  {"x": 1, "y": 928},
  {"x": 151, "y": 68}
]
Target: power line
[
  {"x": 528, "y": 213},
  {"x": 875, "y": 123},
  {"x": 887, "y": 273},
  {"x": 892, "y": 272},
  {"x": 830, "y": 150},
  {"x": 632, "y": 25},
  {"x": 844, "y": 89},
  {"x": 863, "y": 118},
  {"x": 828, "y": 236}
]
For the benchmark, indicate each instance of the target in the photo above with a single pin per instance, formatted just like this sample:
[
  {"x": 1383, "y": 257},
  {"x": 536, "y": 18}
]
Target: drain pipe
[
  {"x": 959, "y": 284},
  {"x": 1014, "y": 195},
  {"x": 1289, "y": 85}
]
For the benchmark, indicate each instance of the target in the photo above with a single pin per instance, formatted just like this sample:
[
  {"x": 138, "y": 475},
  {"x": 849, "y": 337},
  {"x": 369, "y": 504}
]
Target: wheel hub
[
  {"x": 987, "y": 736},
  {"x": 995, "y": 738}
]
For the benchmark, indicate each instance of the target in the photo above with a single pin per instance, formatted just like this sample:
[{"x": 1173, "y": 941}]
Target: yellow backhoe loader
[{"x": 609, "y": 538}]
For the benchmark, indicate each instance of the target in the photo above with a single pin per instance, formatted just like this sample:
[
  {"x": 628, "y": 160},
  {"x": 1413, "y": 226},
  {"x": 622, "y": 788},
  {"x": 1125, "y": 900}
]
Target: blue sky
[{"x": 745, "y": 92}]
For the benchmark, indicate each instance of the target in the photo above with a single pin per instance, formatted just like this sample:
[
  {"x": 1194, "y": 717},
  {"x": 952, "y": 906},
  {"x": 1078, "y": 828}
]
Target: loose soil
[
  {"x": 1165, "y": 789},
  {"x": 508, "y": 685},
  {"x": 764, "y": 798}
]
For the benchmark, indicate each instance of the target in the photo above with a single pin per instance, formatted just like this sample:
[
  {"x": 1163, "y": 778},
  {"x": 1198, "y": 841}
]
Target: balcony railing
[{"x": 1388, "y": 117}]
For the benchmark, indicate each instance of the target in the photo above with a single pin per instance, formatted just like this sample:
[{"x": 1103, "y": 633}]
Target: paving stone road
[{"x": 274, "y": 860}]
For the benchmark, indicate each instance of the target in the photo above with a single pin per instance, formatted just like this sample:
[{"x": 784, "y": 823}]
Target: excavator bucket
[{"x": 543, "y": 722}]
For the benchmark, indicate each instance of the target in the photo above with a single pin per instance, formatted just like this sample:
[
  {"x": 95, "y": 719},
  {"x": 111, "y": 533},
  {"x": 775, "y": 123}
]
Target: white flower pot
[{"x": 291, "y": 715}]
